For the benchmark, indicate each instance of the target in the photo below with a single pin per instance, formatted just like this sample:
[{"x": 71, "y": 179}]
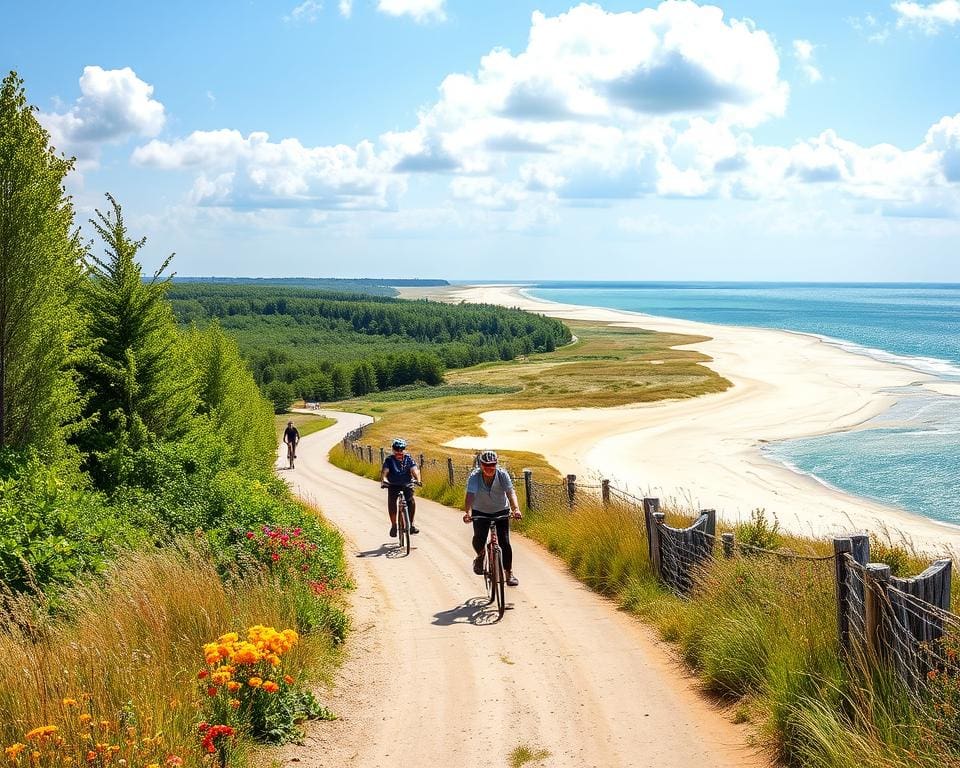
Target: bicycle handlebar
[{"x": 401, "y": 485}]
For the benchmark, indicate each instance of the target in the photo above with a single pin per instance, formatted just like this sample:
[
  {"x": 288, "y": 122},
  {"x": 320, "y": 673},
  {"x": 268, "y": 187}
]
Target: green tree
[
  {"x": 230, "y": 398},
  {"x": 138, "y": 387},
  {"x": 41, "y": 255}
]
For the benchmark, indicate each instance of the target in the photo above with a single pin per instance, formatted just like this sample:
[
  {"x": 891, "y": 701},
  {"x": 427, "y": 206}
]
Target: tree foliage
[
  {"x": 137, "y": 389},
  {"x": 41, "y": 333}
]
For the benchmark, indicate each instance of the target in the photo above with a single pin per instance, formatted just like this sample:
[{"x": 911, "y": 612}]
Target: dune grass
[{"x": 124, "y": 654}]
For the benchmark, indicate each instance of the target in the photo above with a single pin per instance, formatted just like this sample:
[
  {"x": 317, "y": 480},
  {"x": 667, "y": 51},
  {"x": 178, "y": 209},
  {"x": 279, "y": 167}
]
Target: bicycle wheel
[
  {"x": 403, "y": 525},
  {"x": 488, "y": 572},
  {"x": 499, "y": 582}
]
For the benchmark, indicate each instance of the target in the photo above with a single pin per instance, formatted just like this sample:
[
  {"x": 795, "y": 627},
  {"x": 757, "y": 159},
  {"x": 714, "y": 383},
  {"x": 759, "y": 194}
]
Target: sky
[{"x": 510, "y": 140}]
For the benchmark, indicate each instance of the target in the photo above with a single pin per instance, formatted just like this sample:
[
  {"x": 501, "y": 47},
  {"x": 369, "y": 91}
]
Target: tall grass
[{"x": 129, "y": 648}]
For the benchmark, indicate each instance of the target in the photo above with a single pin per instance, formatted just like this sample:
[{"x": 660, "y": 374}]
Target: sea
[{"x": 909, "y": 456}]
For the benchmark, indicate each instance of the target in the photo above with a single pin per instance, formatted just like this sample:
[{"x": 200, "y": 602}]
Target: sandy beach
[{"x": 705, "y": 452}]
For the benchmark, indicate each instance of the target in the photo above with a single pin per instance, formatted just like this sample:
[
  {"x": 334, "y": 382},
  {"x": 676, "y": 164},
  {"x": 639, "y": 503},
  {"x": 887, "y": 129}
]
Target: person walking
[{"x": 490, "y": 493}]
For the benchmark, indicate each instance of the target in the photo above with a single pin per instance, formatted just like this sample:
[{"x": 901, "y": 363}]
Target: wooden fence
[{"x": 902, "y": 623}]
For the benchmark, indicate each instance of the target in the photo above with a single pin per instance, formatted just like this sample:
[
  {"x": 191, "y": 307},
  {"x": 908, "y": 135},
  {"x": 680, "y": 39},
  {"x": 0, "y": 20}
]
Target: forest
[{"x": 325, "y": 345}]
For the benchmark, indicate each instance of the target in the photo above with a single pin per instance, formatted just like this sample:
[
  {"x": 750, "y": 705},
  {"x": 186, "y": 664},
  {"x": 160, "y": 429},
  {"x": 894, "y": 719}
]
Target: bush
[{"x": 52, "y": 529}]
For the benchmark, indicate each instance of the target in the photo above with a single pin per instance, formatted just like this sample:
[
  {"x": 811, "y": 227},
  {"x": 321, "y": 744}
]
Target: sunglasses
[{"x": 491, "y": 464}]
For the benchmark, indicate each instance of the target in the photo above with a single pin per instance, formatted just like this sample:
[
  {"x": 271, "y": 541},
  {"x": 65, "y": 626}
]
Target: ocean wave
[{"x": 934, "y": 366}]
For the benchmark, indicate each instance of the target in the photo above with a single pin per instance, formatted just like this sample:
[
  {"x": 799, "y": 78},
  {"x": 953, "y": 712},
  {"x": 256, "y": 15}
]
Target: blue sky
[{"x": 504, "y": 139}]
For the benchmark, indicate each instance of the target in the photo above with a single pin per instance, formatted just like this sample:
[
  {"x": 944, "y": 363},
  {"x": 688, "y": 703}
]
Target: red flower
[
  {"x": 250, "y": 534},
  {"x": 274, "y": 557}
]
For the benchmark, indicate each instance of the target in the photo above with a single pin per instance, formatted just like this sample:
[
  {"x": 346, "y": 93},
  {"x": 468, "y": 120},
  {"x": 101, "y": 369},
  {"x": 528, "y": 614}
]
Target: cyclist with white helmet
[
  {"x": 490, "y": 493},
  {"x": 399, "y": 473}
]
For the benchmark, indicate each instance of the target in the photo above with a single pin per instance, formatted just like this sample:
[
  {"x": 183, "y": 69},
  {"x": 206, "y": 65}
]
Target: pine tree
[
  {"x": 41, "y": 256},
  {"x": 139, "y": 389}
]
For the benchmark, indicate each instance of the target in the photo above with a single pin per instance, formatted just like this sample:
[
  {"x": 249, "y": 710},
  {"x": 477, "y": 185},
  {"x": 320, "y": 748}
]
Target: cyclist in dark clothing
[
  {"x": 291, "y": 436},
  {"x": 399, "y": 473}
]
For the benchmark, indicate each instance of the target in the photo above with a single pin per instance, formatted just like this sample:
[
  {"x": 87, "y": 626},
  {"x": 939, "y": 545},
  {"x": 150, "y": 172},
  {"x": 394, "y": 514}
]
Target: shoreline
[{"x": 706, "y": 452}]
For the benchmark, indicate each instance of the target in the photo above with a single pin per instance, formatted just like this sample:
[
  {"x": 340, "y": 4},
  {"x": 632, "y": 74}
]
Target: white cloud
[
  {"x": 114, "y": 105},
  {"x": 252, "y": 172},
  {"x": 598, "y": 108},
  {"x": 420, "y": 10},
  {"x": 803, "y": 53},
  {"x": 931, "y": 17},
  {"x": 308, "y": 12},
  {"x": 346, "y": 8}
]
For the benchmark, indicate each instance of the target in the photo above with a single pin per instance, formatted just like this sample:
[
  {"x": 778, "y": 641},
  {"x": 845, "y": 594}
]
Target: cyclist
[
  {"x": 399, "y": 472},
  {"x": 490, "y": 492},
  {"x": 291, "y": 436}
]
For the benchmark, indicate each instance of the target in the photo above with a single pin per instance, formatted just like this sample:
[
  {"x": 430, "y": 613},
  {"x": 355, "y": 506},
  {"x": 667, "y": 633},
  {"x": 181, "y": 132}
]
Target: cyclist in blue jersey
[
  {"x": 399, "y": 473},
  {"x": 490, "y": 493}
]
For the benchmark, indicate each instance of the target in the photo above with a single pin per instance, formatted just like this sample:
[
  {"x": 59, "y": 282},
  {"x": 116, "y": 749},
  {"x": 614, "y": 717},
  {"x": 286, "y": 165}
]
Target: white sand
[{"x": 705, "y": 452}]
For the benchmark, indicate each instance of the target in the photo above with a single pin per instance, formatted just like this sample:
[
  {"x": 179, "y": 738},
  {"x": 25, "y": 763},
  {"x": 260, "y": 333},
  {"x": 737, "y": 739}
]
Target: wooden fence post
[
  {"x": 528, "y": 487},
  {"x": 605, "y": 491},
  {"x": 383, "y": 456},
  {"x": 711, "y": 529},
  {"x": 727, "y": 545},
  {"x": 650, "y": 507},
  {"x": 861, "y": 547},
  {"x": 421, "y": 464},
  {"x": 571, "y": 488},
  {"x": 655, "y": 560},
  {"x": 842, "y": 548},
  {"x": 450, "y": 470},
  {"x": 876, "y": 599},
  {"x": 370, "y": 454}
]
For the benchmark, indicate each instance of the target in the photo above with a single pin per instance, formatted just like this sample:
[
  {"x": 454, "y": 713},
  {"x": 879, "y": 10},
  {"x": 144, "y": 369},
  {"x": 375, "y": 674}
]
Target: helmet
[
  {"x": 487, "y": 457},
  {"x": 399, "y": 444}
]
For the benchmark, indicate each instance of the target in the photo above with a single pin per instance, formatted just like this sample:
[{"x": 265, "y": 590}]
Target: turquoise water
[{"x": 910, "y": 455}]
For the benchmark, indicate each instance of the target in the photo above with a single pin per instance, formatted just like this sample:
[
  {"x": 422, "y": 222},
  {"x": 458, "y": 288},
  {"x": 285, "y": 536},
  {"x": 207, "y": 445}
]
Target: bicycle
[
  {"x": 403, "y": 518},
  {"x": 291, "y": 454},
  {"x": 494, "y": 575}
]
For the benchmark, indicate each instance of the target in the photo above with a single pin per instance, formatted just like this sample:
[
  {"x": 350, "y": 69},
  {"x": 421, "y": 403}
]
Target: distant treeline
[
  {"x": 324, "y": 345},
  {"x": 375, "y": 286}
]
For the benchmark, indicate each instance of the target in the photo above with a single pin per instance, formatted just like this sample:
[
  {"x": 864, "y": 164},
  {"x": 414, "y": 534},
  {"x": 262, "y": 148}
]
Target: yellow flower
[
  {"x": 84, "y": 718},
  {"x": 69, "y": 702},
  {"x": 233, "y": 685},
  {"x": 253, "y": 682},
  {"x": 13, "y": 751},
  {"x": 235, "y": 703}
]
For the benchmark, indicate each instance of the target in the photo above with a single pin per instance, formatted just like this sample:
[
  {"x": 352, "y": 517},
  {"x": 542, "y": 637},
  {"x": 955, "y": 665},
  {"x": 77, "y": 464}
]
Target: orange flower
[
  {"x": 233, "y": 686},
  {"x": 271, "y": 687},
  {"x": 69, "y": 702},
  {"x": 254, "y": 682},
  {"x": 42, "y": 732},
  {"x": 235, "y": 703},
  {"x": 13, "y": 752},
  {"x": 84, "y": 718},
  {"x": 288, "y": 680}
]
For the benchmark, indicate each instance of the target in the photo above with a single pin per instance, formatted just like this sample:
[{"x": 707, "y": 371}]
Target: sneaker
[
  {"x": 393, "y": 531},
  {"x": 414, "y": 529},
  {"x": 512, "y": 581},
  {"x": 478, "y": 566}
]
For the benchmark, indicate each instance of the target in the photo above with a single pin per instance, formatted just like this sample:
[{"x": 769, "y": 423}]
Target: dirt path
[{"x": 433, "y": 680}]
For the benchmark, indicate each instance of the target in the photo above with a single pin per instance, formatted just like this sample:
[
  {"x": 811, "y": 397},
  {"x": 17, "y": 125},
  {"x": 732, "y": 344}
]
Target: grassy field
[
  {"x": 306, "y": 423},
  {"x": 606, "y": 366}
]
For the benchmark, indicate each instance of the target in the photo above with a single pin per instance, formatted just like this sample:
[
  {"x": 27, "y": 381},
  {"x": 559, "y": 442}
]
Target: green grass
[{"x": 306, "y": 423}]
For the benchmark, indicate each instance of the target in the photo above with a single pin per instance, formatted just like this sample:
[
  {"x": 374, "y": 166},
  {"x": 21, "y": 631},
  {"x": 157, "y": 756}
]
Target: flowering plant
[{"x": 246, "y": 684}]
